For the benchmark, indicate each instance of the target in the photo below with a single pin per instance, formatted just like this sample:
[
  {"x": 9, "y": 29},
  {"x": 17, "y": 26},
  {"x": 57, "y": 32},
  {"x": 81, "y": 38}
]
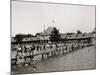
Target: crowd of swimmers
[{"x": 24, "y": 54}]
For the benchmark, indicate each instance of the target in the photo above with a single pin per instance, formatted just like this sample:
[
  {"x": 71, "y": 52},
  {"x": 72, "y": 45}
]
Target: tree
[
  {"x": 55, "y": 35},
  {"x": 18, "y": 38},
  {"x": 29, "y": 35},
  {"x": 37, "y": 34},
  {"x": 79, "y": 32}
]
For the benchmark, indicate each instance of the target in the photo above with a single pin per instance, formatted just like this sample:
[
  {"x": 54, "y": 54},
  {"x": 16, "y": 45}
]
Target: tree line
[{"x": 54, "y": 36}]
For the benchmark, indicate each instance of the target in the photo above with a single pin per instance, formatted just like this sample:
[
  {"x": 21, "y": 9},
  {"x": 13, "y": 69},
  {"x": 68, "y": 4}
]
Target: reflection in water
[{"x": 34, "y": 67}]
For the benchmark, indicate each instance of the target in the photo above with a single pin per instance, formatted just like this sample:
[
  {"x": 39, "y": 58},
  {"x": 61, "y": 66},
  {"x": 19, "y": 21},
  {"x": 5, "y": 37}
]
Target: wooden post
[
  {"x": 52, "y": 53},
  {"x": 47, "y": 55},
  {"x": 63, "y": 51},
  {"x": 59, "y": 52},
  {"x": 42, "y": 57}
]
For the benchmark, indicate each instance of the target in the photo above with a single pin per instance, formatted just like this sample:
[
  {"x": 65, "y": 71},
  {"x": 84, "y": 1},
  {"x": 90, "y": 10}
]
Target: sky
[{"x": 32, "y": 17}]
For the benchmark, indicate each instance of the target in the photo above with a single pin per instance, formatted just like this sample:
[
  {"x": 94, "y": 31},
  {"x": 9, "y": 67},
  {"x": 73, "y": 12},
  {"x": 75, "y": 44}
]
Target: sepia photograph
[{"x": 52, "y": 37}]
